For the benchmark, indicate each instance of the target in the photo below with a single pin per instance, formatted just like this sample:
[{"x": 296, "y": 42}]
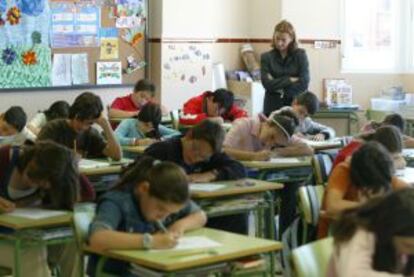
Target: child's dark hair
[
  {"x": 151, "y": 112},
  {"x": 389, "y": 136},
  {"x": 309, "y": 100},
  {"x": 223, "y": 97},
  {"x": 209, "y": 131},
  {"x": 59, "y": 109},
  {"x": 372, "y": 168},
  {"x": 145, "y": 85},
  {"x": 394, "y": 120},
  {"x": 49, "y": 161},
  {"x": 168, "y": 182},
  {"x": 285, "y": 118},
  {"x": 86, "y": 106},
  {"x": 16, "y": 117},
  {"x": 385, "y": 217}
]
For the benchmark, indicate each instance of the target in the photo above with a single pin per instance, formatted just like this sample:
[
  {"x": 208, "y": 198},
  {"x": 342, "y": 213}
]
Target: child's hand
[
  {"x": 102, "y": 121},
  {"x": 6, "y": 206},
  {"x": 262, "y": 156},
  {"x": 318, "y": 137},
  {"x": 201, "y": 177},
  {"x": 144, "y": 142},
  {"x": 165, "y": 240},
  {"x": 176, "y": 229}
]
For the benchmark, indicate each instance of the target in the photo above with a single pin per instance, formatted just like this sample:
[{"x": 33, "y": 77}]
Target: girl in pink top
[
  {"x": 376, "y": 239},
  {"x": 258, "y": 139}
]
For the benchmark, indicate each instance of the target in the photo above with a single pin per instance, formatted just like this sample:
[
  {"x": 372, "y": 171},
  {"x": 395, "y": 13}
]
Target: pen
[{"x": 162, "y": 227}]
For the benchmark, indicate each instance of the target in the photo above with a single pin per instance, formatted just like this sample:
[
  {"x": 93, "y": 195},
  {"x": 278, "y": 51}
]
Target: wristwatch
[{"x": 147, "y": 241}]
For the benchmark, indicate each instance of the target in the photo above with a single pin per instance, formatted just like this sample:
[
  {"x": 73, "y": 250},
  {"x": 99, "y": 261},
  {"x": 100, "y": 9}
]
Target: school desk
[
  {"x": 233, "y": 247},
  {"x": 350, "y": 116},
  {"x": 14, "y": 227},
  {"x": 325, "y": 144},
  {"x": 131, "y": 151},
  {"x": 283, "y": 170},
  {"x": 406, "y": 174},
  {"x": 114, "y": 167},
  {"x": 241, "y": 196}
]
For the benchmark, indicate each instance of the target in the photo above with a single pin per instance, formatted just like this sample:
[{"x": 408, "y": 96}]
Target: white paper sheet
[
  {"x": 196, "y": 242},
  {"x": 206, "y": 187},
  {"x": 407, "y": 174},
  {"x": 80, "y": 72},
  {"x": 314, "y": 143},
  {"x": 87, "y": 164},
  {"x": 285, "y": 160},
  {"x": 35, "y": 213},
  {"x": 61, "y": 70}
]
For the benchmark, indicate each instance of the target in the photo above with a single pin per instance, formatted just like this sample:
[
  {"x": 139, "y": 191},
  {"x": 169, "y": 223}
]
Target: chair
[
  {"x": 322, "y": 166},
  {"x": 312, "y": 260},
  {"x": 82, "y": 218},
  {"x": 175, "y": 119}
]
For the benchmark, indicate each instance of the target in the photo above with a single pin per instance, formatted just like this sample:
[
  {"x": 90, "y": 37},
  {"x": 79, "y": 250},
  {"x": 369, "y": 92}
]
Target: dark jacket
[
  {"x": 171, "y": 150},
  {"x": 275, "y": 73}
]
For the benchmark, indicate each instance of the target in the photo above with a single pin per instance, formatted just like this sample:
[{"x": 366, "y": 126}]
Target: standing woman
[{"x": 284, "y": 69}]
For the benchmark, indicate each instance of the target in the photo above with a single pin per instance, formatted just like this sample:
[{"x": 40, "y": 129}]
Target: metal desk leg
[
  {"x": 271, "y": 211},
  {"x": 17, "y": 250}
]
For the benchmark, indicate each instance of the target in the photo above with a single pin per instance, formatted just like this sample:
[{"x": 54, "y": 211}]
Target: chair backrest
[
  {"x": 82, "y": 218},
  {"x": 322, "y": 166},
  {"x": 175, "y": 118},
  {"x": 310, "y": 201},
  {"x": 312, "y": 260}
]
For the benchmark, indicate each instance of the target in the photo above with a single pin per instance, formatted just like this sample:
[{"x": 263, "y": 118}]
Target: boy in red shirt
[
  {"x": 218, "y": 105},
  {"x": 129, "y": 106}
]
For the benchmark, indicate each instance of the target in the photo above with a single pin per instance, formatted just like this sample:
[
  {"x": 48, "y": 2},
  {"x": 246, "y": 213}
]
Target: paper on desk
[
  {"x": 206, "y": 187},
  {"x": 406, "y": 174},
  {"x": 285, "y": 160},
  {"x": 196, "y": 242},
  {"x": 35, "y": 213},
  {"x": 314, "y": 143},
  {"x": 87, "y": 164}
]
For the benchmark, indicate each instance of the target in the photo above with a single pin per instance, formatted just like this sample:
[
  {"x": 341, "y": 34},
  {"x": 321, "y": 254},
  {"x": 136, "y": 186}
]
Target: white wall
[{"x": 317, "y": 19}]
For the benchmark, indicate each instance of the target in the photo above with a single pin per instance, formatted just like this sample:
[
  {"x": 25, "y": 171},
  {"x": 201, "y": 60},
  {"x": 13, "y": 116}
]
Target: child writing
[
  {"x": 257, "y": 139},
  {"x": 45, "y": 172},
  {"x": 368, "y": 173},
  {"x": 145, "y": 128},
  {"x": 150, "y": 196},
  {"x": 376, "y": 239}
]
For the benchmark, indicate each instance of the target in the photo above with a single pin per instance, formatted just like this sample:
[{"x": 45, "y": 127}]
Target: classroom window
[{"x": 372, "y": 35}]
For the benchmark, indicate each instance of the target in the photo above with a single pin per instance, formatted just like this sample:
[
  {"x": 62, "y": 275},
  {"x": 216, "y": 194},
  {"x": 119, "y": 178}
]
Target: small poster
[
  {"x": 75, "y": 25},
  {"x": 108, "y": 73},
  {"x": 109, "y": 44}
]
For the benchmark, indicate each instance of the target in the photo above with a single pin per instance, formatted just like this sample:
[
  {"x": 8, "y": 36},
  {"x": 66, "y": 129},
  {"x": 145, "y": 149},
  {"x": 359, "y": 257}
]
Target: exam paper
[{"x": 35, "y": 213}]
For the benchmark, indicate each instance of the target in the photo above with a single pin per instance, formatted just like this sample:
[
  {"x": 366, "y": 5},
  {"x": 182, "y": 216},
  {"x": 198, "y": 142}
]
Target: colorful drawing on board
[
  {"x": 109, "y": 44},
  {"x": 108, "y": 73},
  {"x": 186, "y": 63},
  {"x": 25, "y": 56},
  {"x": 128, "y": 13},
  {"x": 75, "y": 25}
]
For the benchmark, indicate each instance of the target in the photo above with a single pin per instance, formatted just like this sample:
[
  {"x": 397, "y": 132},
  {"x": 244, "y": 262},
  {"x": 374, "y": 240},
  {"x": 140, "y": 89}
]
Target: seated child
[
  {"x": 12, "y": 127},
  {"x": 129, "y": 106},
  {"x": 218, "y": 106},
  {"x": 150, "y": 208},
  {"x": 304, "y": 105},
  {"x": 59, "y": 109},
  {"x": 393, "y": 120},
  {"x": 145, "y": 128},
  {"x": 368, "y": 173},
  {"x": 77, "y": 132},
  {"x": 389, "y": 136},
  {"x": 376, "y": 239},
  {"x": 44, "y": 173},
  {"x": 199, "y": 152},
  {"x": 257, "y": 139}
]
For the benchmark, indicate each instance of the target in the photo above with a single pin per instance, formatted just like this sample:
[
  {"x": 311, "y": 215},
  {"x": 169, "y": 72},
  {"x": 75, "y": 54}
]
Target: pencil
[
  {"x": 74, "y": 146},
  {"x": 162, "y": 227}
]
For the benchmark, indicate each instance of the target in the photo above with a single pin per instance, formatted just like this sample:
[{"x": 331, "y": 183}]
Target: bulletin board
[{"x": 57, "y": 44}]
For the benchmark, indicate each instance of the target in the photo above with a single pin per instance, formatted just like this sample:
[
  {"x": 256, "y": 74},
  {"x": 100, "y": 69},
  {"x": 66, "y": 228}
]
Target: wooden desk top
[
  {"x": 233, "y": 246},
  {"x": 324, "y": 145},
  {"x": 18, "y": 223},
  {"x": 134, "y": 149},
  {"x": 237, "y": 187},
  {"x": 281, "y": 164}
]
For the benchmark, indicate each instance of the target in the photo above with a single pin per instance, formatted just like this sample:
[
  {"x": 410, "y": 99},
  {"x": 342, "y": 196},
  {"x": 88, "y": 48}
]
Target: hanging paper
[
  {"x": 75, "y": 25},
  {"x": 61, "y": 70},
  {"x": 109, "y": 44},
  {"x": 108, "y": 73},
  {"x": 80, "y": 74}
]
